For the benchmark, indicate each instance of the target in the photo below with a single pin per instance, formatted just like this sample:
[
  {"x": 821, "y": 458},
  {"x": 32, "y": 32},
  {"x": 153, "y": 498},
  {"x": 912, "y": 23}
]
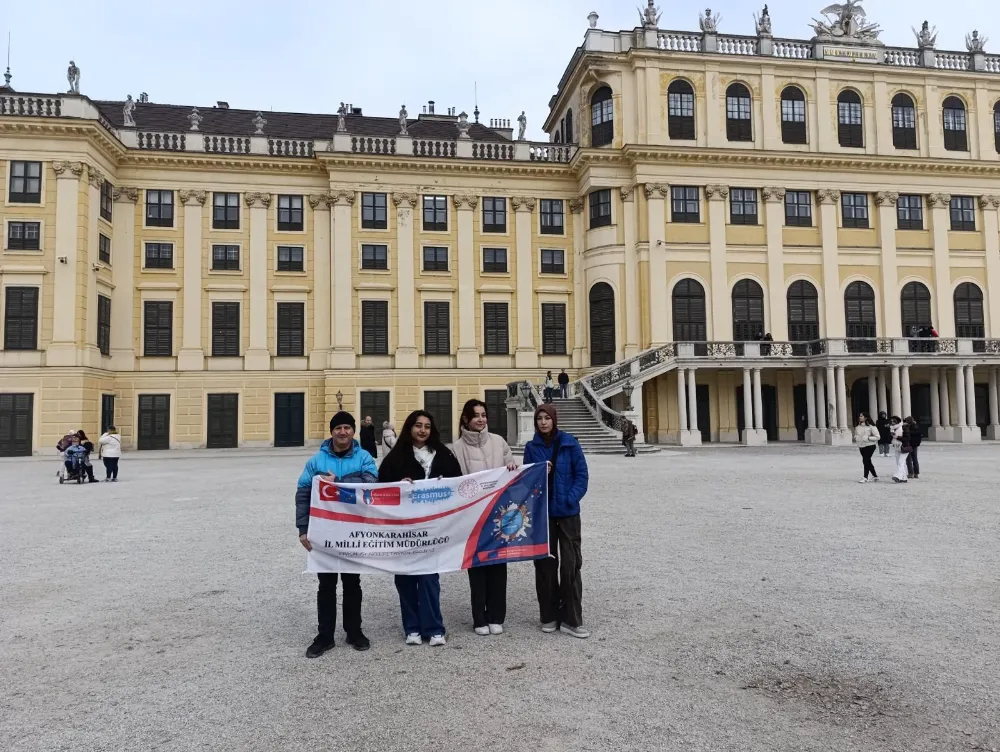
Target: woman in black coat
[
  {"x": 417, "y": 455},
  {"x": 884, "y": 434}
]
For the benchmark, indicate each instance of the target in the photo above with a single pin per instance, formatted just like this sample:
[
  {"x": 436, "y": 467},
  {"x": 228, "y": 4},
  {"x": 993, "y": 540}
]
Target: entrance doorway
[
  {"x": 920, "y": 407},
  {"x": 859, "y": 401},
  {"x": 223, "y": 421},
  {"x": 154, "y": 421},
  {"x": 983, "y": 407},
  {"x": 702, "y": 397},
  {"x": 769, "y": 403},
  {"x": 289, "y": 419},
  {"x": 376, "y": 404},
  {"x": 801, "y": 410},
  {"x": 496, "y": 409},
  {"x": 15, "y": 424}
]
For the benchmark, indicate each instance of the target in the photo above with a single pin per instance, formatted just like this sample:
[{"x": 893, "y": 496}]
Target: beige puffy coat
[{"x": 478, "y": 451}]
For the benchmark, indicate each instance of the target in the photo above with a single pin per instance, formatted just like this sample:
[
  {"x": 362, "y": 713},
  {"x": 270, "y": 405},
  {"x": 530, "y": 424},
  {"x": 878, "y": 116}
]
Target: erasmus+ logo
[{"x": 429, "y": 495}]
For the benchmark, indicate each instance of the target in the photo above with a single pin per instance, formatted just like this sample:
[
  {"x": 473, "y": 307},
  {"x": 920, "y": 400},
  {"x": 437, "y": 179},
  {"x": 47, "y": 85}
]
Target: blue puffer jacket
[
  {"x": 357, "y": 466},
  {"x": 570, "y": 476}
]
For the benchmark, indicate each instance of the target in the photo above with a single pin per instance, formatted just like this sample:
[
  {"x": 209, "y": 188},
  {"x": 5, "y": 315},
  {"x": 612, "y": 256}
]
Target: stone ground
[{"x": 740, "y": 599}]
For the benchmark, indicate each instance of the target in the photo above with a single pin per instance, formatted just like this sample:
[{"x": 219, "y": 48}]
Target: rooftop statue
[
  {"x": 127, "y": 112},
  {"x": 403, "y": 115},
  {"x": 73, "y": 76},
  {"x": 974, "y": 42},
  {"x": 649, "y": 18},
  {"x": 926, "y": 37},
  {"x": 708, "y": 23},
  {"x": 763, "y": 23},
  {"x": 846, "y": 22}
]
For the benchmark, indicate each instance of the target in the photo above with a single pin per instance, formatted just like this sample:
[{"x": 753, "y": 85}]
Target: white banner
[{"x": 431, "y": 525}]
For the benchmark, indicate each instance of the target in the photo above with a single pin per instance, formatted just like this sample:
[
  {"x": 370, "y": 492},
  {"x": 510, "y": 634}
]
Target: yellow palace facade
[{"x": 750, "y": 237}]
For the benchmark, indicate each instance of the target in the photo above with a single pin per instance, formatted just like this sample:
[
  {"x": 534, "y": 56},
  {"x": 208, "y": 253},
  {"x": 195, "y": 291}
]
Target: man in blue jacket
[
  {"x": 558, "y": 582},
  {"x": 340, "y": 458}
]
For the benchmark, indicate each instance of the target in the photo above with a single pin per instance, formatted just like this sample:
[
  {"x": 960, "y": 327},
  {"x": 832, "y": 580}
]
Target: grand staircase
[{"x": 594, "y": 438}]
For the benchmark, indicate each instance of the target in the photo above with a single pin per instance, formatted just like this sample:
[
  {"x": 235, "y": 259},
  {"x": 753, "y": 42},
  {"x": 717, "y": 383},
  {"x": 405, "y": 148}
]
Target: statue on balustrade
[
  {"x": 649, "y": 18},
  {"x": 195, "y": 119},
  {"x": 522, "y": 125},
  {"x": 128, "y": 112},
  {"x": 926, "y": 37},
  {"x": 341, "y": 121},
  {"x": 73, "y": 76},
  {"x": 763, "y": 23},
  {"x": 403, "y": 114},
  {"x": 846, "y": 22},
  {"x": 708, "y": 23},
  {"x": 974, "y": 42}
]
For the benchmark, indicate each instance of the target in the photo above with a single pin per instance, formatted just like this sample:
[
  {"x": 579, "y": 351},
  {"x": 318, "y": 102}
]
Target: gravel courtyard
[{"x": 740, "y": 599}]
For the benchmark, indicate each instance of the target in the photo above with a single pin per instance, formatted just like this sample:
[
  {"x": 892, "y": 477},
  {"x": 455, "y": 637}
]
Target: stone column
[
  {"x": 833, "y": 309},
  {"x": 631, "y": 274},
  {"x": 820, "y": 402},
  {"x": 831, "y": 398},
  {"x": 774, "y": 205},
  {"x": 872, "y": 393},
  {"x": 465, "y": 207},
  {"x": 342, "y": 331},
  {"x": 945, "y": 400},
  {"x": 904, "y": 386},
  {"x": 721, "y": 326},
  {"x": 319, "y": 356},
  {"x": 883, "y": 399},
  {"x": 656, "y": 194},
  {"x": 970, "y": 399},
  {"x": 758, "y": 402},
  {"x": 692, "y": 395},
  {"x": 991, "y": 232},
  {"x": 896, "y": 405},
  {"x": 682, "y": 401},
  {"x": 747, "y": 407},
  {"x": 961, "y": 405},
  {"x": 993, "y": 432},
  {"x": 258, "y": 356},
  {"x": 406, "y": 345},
  {"x": 810, "y": 400},
  {"x": 579, "y": 312},
  {"x": 944, "y": 314},
  {"x": 122, "y": 264},
  {"x": 191, "y": 356},
  {"x": 841, "y": 399},
  {"x": 890, "y": 314},
  {"x": 935, "y": 400},
  {"x": 66, "y": 270}
]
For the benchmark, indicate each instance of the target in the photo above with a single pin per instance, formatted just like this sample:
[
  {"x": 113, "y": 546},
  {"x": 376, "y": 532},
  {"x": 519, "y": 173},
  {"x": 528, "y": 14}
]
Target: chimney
[
  {"x": 430, "y": 107},
  {"x": 222, "y": 105}
]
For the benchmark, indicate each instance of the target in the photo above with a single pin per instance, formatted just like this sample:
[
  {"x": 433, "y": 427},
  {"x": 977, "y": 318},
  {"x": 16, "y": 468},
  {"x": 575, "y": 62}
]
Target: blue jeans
[{"x": 420, "y": 604}]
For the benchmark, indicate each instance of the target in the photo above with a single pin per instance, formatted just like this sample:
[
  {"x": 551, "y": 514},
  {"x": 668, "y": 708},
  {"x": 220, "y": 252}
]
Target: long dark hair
[
  {"x": 469, "y": 412},
  {"x": 404, "y": 442}
]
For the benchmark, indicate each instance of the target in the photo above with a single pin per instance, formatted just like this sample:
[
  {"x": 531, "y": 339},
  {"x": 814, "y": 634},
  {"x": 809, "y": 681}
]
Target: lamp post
[
  {"x": 627, "y": 390},
  {"x": 525, "y": 395},
  {"x": 340, "y": 400}
]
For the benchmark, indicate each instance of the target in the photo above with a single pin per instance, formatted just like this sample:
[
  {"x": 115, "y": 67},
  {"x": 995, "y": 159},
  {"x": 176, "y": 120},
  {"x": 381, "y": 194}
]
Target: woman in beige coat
[{"x": 476, "y": 450}]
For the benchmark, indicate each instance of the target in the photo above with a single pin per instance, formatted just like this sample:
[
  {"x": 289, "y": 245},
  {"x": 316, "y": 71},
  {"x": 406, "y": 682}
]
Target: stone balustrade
[
  {"x": 28, "y": 106},
  {"x": 902, "y": 57}
]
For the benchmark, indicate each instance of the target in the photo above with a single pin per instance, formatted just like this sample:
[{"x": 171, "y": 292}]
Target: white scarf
[{"x": 425, "y": 456}]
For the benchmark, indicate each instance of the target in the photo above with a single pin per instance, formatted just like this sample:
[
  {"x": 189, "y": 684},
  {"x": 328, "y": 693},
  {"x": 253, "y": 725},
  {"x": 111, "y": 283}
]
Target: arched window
[
  {"x": 850, "y": 124},
  {"x": 562, "y": 126},
  {"x": 568, "y": 132},
  {"x": 915, "y": 315},
  {"x": 859, "y": 315},
  {"x": 803, "y": 312},
  {"x": 739, "y": 126},
  {"x": 970, "y": 320},
  {"x": 956, "y": 136},
  {"x": 904, "y": 122},
  {"x": 748, "y": 312},
  {"x": 680, "y": 110},
  {"x": 558, "y": 138},
  {"x": 996, "y": 126},
  {"x": 793, "y": 116},
  {"x": 690, "y": 318},
  {"x": 602, "y": 117},
  {"x": 602, "y": 325}
]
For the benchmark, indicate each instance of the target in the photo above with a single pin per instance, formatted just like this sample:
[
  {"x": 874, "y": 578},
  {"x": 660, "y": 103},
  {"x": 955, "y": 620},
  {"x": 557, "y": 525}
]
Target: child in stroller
[{"x": 76, "y": 462}]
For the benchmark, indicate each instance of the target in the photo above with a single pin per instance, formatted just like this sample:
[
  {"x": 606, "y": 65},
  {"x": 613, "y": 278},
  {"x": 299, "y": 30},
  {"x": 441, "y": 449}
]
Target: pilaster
[
  {"x": 122, "y": 271},
  {"x": 468, "y": 352},
  {"x": 833, "y": 314},
  {"x": 62, "y": 349},
  {"x": 406, "y": 347},
  {"x": 722, "y": 320},
  {"x": 91, "y": 354},
  {"x": 341, "y": 322},
  {"x": 656, "y": 194},
  {"x": 885, "y": 201},
  {"x": 631, "y": 292},
  {"x": 579, "y": 350},
  {"x": 258, "y": 356},
  {"x": 191, "y": 356},
  {"x": 991, "y": 230},
  {"x": 774, "y": 208},
  {"x": 526, "y": 354},
  {"x": 319, "y": 356},
  {"x": 944, "y": 314}
]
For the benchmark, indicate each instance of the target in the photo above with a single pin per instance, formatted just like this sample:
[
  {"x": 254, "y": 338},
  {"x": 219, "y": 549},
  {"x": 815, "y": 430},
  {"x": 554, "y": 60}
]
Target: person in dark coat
[
  {"x": 366, "y": 437},
  {"x": 564, "y": 383},
  {"x": 884, "y": 434},
  {"x": 420, "y": 454},
  {"x": 558, "y": 582},
  {"x": 912, "y": 462}
]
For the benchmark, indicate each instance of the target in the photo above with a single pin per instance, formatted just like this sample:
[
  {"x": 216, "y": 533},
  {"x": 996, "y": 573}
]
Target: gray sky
[{"x": 309, "y": 55}]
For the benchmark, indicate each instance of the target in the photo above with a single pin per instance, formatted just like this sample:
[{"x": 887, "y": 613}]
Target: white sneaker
[
  {"x": 863, "y": 480},
  {"x": 482, "y": 631},
  {"x": 413, "y": 639},
  {"x": 437, "y": 640},
  {"x": 550, "y": 626},
  {"x": 496, "y": 628}
]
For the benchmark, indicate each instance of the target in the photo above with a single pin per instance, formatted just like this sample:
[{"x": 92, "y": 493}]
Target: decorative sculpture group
[
  {"x": 926, "y": 37},
  {"x": 846, "y": 22},
  {"x": 708, "y": 23}
]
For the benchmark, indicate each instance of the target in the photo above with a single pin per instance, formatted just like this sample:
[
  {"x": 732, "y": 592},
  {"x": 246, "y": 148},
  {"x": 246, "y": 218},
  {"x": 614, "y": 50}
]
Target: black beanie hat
[{"x": 343, "y": 418}]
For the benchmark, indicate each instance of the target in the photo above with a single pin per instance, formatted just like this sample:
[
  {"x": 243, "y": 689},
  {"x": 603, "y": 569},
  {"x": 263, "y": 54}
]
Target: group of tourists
[
  {"x": 75, "y": 450},
  {"x": 418, "y": 453},
  {"x": 900, "y": 436}
]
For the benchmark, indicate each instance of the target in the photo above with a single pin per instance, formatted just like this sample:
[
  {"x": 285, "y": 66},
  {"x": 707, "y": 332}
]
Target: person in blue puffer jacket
[
  {"x": 342, "y": 459},
  {"x": 558, "y": 582}
]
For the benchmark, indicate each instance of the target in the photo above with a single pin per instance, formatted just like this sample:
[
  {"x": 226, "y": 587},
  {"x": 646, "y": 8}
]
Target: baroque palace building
[{"x": 726, "y": 238}]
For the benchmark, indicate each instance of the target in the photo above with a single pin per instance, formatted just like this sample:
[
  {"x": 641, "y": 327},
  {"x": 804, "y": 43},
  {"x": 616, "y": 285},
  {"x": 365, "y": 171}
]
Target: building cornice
[
  {"x": 93, "y": 133},
  {"x": 485, "y": 167}
]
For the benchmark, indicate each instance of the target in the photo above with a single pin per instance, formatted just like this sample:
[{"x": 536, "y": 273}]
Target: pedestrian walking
[
  {"x": 558, "y": 580},
  {"x": 550, "y": 386},
  {"x": 884, "y": 434},
  {"x": 419, "y": 454},
  {"x": 109, "y": 449},
  {"x": 367, "y": 437},
  {"x": 629, "y": 432},
  {"x": 564, "y": 383},
  {"x": 912, "y": 461},
  {"x": 476, "y": 450},
  {"x": 339, "y": 458},
  {"x": 88, "y": 447},
  {"x": 900, "y": 447},
  {"x": 866, "y": 436},
  {"x": 388, "y": 436}
]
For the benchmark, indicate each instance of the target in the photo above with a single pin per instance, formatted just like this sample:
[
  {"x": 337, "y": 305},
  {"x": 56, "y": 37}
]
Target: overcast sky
[{"x": 309, "y": 55}]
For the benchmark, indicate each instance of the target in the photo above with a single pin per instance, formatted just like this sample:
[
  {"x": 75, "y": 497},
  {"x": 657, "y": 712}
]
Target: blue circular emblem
[{"x": 511, "y": 522}]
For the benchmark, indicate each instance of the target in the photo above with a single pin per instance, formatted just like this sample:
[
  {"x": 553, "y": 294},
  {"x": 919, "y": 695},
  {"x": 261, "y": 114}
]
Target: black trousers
[
  {"x": 866, "y": 460},
  {"x": 111, "y": 467},
  {"x": 326, "y": 604},
  {"x": 558, "y": 581},
  {"x": 913, "y": 463},
  {"x": 489, "y": 594}
]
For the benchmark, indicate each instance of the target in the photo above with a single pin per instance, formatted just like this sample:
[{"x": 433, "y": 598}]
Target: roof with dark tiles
[{"x": 286, "y": 125}]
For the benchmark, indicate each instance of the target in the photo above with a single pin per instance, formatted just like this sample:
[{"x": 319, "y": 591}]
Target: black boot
[{"x": 319, "y": 646}]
